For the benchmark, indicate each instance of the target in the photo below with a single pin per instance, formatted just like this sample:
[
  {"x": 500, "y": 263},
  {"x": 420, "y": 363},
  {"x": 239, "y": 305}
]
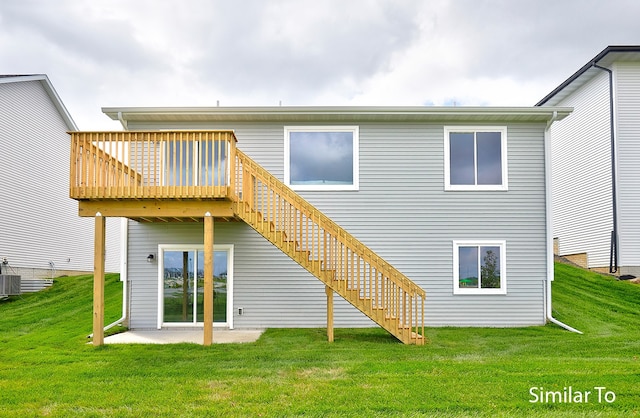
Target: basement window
[
  {"x": 479, "y": 268},
  {"x": 321, "y": 158}
]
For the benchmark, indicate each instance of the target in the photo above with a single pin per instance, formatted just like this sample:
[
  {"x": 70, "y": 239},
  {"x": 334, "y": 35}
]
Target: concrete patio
[{"x": 222, "y": 336}]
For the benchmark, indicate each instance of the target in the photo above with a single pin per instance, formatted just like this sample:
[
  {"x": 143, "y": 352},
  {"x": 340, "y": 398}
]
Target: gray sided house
[
  {"x": 596, "y": 163},
  {"x": 282, "y": 207},
  {"x": 41, "y": 235}
]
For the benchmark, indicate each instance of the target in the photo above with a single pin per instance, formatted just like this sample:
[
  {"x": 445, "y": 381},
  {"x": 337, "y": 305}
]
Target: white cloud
[{"x": 360, "y": 52}]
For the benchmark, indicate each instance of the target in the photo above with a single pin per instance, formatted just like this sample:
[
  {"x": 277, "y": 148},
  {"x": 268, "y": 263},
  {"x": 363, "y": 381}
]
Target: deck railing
[
  {"x": 329, "y": 252},
  {"x": 152, "y": 165}
]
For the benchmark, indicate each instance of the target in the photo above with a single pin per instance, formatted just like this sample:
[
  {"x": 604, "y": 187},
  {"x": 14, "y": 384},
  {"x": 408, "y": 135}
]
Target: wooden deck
[
  {"x": 199, "y": 176},
  {"x": 150, "y": 176}
]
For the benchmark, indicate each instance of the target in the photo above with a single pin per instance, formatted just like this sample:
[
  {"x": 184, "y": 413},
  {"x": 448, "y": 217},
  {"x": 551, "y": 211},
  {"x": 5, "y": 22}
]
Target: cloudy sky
[{"x": 297, "y": 52}]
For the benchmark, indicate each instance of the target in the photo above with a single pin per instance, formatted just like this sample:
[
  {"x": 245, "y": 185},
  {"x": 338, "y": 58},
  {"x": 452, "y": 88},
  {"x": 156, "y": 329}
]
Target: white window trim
[
  {"x": 331, "y": 187},
  {"x": 457, "y": 290},
  {"x": 196, "y": 247},
  {"x": 447, "y": 161}
]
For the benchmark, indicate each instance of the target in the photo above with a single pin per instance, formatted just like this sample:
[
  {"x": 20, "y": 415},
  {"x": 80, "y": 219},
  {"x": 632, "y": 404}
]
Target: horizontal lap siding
[
  {"x": 628, "y": 158},
  {"x": 581, "y": 166},
  {"x": 272, "y": 289},
  {"x": 403, "y": 213},
  {"x": 39, "y": 223}
]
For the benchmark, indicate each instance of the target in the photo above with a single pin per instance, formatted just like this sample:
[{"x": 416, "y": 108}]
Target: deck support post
[
  {"x": 208, "y": 279},
  {"x": 329, "y": 292},
  {"x": 98, "y": 280}
]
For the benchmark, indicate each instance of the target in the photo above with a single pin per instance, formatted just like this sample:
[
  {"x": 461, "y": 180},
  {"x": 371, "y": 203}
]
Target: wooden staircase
[{"x": 327, "y": 251}]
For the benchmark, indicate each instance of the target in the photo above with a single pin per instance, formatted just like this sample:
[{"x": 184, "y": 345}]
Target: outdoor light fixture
[{"x": 150, "y": 258}]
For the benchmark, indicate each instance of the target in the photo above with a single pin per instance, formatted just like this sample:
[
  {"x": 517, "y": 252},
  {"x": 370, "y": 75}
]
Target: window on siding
[
  {"x": 209, "y": 168},
  {"x": 479, "y": 267},
  {"x": 321, "y": 158},
  {"x": 475, "y": 158}
]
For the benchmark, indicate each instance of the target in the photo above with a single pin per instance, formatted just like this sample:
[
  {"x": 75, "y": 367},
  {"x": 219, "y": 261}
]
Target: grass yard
[{"x": 47, "y": 369}]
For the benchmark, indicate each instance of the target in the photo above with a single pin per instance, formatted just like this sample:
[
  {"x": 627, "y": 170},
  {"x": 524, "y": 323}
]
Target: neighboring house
[
  {"x": 41, "y": 234},
  {"x": 456, "y": 199},
  {"x": 596, "y": 192}
]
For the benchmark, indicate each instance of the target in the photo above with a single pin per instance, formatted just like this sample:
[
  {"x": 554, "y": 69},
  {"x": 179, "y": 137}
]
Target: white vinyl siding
[
  {"x": 627, "y": 95},
  {"x": 272, "y": 289},
  {"x": 401, "y": 211},
  {"x": 39, "y": 222},
  {"x": 581, "y": 167}
]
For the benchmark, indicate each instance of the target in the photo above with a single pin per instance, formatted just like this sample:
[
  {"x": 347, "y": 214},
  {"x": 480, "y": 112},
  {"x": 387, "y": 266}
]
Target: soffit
[{"x": 337, "y": 114}]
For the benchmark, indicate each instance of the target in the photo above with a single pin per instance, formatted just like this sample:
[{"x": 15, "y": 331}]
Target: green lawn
[{"x": 47, "y": 369}]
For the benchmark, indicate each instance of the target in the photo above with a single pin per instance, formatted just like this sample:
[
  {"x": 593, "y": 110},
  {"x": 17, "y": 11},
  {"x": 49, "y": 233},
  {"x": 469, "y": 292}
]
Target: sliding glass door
[
  {"x": 181, "y": 271},
  {"x": 210, "y": 165}
]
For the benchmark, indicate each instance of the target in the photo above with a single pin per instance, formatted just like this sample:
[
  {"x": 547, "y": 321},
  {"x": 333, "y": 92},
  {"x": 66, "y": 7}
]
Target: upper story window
[
  {"x": 479, "y": 267},
  {"x": 475, "y": 158},
  {"x": 194, "y": 163},
  {"x": 321, "y": 158}
]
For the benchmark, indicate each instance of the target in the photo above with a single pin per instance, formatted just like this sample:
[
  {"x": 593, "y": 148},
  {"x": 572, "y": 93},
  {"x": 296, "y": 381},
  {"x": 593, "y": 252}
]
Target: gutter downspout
[
  {"x": 124, "y": 230},
  {"x": 124, "y": 240},
  {"x": 613, "y": 254},
  {"x": 549, "y": 232},
  {"x": 123, "y": 122}
]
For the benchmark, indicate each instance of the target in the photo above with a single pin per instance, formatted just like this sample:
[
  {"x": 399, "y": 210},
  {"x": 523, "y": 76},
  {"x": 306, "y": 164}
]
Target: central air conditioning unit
[{"x": 9, "y": 285}]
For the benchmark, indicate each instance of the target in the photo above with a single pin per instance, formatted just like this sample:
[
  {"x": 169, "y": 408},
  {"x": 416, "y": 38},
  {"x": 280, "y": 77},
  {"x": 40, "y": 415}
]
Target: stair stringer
[{"x": 328, "y": 252}]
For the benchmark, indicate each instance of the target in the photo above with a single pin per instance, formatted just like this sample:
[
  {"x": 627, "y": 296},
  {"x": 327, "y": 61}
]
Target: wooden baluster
[
  {"x": 133, "y": 164},
  {"x": 212, "y": 144},
  {"x": 98, "y": 174},
  {"x": 384, "y": 291},
  {"x": 295, "y": 225},
  {"x": 106, "y": 180},
  {"x": 352, "y": 283},
  {"x": 96, "y": 169},
  {"x": 398, "y": 304},
  {"x": 359, "y": 273},
  {"x": 146, "y": 166},
  {"x": 120, "y": 172},
  {"x": 325, "y": 259},
  {"x": 347, "y": 264},
  {"x": 183, "y": 167},
  {"x": 316, "y": 244},
  {"x": 113, "y": 166},
  {"x": 117, "y": 167},
  {"x": 73, "y": 166},
  {"x": 274, "y": 218},
  {"x": 372, "y": 274},
  {"x": 218, "y": 179},
  {"x": 299, "y": 228}
]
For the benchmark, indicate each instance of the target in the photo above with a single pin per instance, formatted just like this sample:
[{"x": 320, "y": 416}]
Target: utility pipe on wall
[
  {"x": 124, "y": 230},
  {"x": 549, "y": 232},
  {"x": 613, "y": 255}
]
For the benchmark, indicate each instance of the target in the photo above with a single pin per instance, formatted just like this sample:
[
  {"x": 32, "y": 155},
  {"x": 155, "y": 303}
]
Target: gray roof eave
[
  {"x": 585, "y": 73},
  {"x": 334, "y": 113},
  {"x": 51, "y": 92}
]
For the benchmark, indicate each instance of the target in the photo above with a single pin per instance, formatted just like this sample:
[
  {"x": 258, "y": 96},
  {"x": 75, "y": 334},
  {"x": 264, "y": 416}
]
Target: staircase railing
[{"x": 329, "y": 252}]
